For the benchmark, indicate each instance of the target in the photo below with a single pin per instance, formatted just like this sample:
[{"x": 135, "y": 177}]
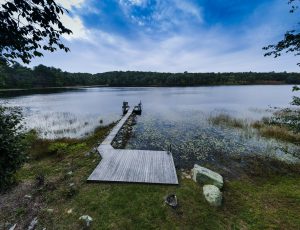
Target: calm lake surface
[{"x": 170, "y": 115}]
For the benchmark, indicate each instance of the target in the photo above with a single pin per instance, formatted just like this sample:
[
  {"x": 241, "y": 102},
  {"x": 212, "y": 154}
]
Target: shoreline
[
  {"x": 144, "y": 86},
  {"x": 55, "y": 87}
]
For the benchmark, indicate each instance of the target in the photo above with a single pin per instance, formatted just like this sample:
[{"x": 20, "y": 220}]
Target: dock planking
[{"x": 133, "y": 166}]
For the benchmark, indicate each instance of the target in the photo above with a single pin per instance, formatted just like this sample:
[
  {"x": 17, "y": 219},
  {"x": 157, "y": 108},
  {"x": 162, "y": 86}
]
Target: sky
[{"x": 173, "y": 36}]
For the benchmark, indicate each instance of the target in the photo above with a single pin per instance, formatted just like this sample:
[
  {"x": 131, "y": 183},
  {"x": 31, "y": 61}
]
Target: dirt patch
[{"x": 22, "y": 202}]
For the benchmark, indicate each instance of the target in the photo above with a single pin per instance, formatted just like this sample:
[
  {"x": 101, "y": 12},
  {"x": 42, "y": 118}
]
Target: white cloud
[
  {"x": 163, "y": 14},
  {"x": 173, "y": 54},
  {"x": 189, "y": 8},
  {"x": 76, "y": 25},
  {"x": 73, "y": 23},
  {"x": 133, "y": 2},
  {"x": 137, "y": 2},
  {"x": 68, "y": 4}
]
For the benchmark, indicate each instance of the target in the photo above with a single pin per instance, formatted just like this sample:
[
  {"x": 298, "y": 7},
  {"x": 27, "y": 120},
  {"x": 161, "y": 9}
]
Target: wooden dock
[{"x": 133, "y": 166}]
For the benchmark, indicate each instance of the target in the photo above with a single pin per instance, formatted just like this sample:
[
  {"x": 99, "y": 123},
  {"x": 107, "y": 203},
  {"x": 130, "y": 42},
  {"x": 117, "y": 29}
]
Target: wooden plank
[
  {"x": 136, "y": 166},
  {"x": 133, "y": 166}
]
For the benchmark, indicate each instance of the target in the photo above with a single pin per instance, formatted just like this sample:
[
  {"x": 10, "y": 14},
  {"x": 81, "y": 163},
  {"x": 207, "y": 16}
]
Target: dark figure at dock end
[
  {"x": 138, "y": 109},
  {"x": 125, "y": 107}
]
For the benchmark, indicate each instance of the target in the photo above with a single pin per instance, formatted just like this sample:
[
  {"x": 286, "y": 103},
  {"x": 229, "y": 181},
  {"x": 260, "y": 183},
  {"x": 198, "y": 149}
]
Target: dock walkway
[{"x": 133, "y": 166}]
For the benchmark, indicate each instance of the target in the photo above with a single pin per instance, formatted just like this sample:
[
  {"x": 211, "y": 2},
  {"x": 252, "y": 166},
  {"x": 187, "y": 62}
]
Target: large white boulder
[
  {"x": 213, "y": 195},
  {"x": 205, "y": 176}
]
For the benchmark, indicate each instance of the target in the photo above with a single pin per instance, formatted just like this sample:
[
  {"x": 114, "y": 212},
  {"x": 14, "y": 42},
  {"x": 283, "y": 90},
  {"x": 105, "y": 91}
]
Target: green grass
[{"x": 251, "y": 202}]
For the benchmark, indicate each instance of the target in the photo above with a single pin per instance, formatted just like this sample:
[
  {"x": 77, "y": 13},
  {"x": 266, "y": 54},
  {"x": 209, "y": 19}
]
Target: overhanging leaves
[{"x": 29, "y": 27}]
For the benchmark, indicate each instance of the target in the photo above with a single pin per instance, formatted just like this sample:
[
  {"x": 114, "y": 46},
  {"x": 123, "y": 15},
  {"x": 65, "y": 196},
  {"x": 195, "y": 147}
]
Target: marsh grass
[
  {"x": 264, "y": 127},
  {"x": 227, "y": 120},
  {"x": 58, "y": 125},
  {"x": 278, "y": 132}
]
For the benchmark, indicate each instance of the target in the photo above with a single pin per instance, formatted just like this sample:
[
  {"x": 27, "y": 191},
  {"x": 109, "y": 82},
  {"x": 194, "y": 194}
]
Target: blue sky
[{"x": 173, "y": 35}]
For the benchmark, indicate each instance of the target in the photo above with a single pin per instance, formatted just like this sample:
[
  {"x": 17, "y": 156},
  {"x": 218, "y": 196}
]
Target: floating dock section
[{"x": 133, "y": 166}]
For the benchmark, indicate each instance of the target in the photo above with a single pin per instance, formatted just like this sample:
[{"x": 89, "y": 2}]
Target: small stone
[
  {"x": 70, "y": 173},
  {"x": 213, "y": 195},
  {"x": 171, "y": 200},
  {"x": 28, "y": 196},
  {"x": 87, "y": 219},
  {"x": 13, "y": 227},
  {"x": 72, "y": 184},
  {"x": 33, "y": 224},
  {"x": 188, "y": 177},
  {"x": 70, "y": 211},
  {"x": 50, "y": 210},
  {"x": 185, "y": 175}
]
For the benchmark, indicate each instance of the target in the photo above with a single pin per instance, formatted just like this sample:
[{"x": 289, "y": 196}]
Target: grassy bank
[{"x": 54, "y": 180}]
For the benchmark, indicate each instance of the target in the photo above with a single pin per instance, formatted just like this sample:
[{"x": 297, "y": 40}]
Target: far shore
[
  {"x": 162, "y": 86},
  {"x": 57, "y": 87}
]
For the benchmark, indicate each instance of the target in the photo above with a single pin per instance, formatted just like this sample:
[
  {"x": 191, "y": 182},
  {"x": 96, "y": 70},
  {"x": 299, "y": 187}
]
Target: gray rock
[
  {"x": 86, "y": 219},
  {"x": 205, "y": 176},
  {"x": 28, "y": 196},
  {"x": 185, "y": 175},
  {"x": 13, "y": 227},
  {"x": 213, "y": 195},
  {"x": 50, "y": 210},
  {"x": 33, "y": 224}
]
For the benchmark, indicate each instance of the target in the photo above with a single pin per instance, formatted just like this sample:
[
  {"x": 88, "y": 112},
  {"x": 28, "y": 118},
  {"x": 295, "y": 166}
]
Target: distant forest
[{"x": 18, "y": 76}]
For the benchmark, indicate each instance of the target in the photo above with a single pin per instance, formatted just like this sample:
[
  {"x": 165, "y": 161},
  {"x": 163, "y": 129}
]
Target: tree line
[{"x": 18, "y": 76}]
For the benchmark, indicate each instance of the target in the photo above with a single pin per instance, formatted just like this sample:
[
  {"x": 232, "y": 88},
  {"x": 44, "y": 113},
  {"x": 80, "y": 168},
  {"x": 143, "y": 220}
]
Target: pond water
[{"x": 177, "y": 115}]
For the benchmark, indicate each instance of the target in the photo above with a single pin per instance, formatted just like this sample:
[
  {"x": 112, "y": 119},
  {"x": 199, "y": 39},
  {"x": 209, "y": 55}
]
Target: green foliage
[
  {"x": 291, "y": 41},
  {"x": 289, "y": 117},
  {"x": 69, "y": 191},
  {"x": 41, "y": 76},
  {"x": 30, "y": 27},
  {"x": 12, "y": 145},
  {"x": 76, "y": 147},
  {"x": 58, "y": 148}
]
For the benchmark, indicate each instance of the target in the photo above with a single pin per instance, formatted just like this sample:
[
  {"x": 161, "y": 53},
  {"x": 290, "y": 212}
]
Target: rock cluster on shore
[{"x": 212, "y": 182}]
